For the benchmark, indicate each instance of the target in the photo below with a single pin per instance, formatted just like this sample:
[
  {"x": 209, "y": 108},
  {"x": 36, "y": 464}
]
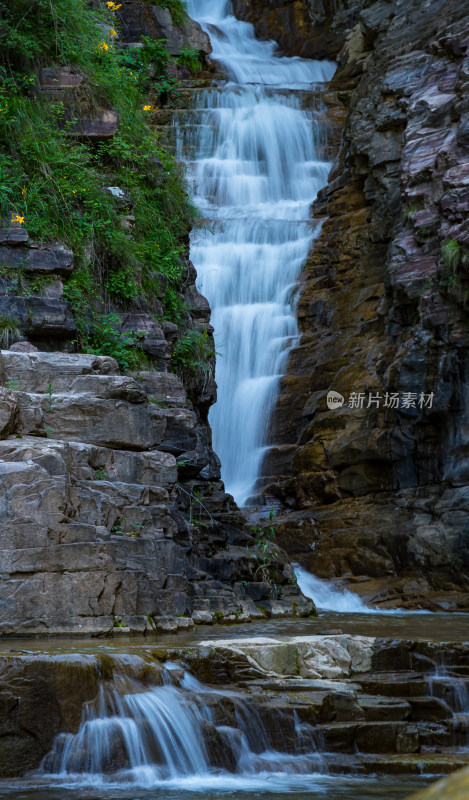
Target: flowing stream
[{"x": 255, "y": 170}]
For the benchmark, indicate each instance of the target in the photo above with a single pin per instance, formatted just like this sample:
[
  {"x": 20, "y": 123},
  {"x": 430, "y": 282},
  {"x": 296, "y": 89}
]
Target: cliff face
[
  {"x": 379, "y": 494},
  {"x": 113, "y": 513}
]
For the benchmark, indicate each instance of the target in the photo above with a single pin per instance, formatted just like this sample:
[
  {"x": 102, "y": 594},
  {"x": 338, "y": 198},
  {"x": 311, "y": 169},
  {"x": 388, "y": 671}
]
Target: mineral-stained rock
[{"x": 381, "y": 492}]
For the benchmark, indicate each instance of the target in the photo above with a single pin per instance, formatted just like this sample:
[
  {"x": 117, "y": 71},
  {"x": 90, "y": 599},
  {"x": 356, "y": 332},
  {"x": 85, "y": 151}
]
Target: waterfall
[
  {"x": 178, "y": 735},
  {"x": 255, "y": 169},
  {"x": 328, "y": 597},
  {"x": 453, "y": 689}
]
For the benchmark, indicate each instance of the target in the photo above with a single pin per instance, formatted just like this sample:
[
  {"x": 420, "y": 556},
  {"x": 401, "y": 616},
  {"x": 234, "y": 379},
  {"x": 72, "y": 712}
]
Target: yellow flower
[
  {"x": 110, "y": 4},
  {"x": 16, "y": 218},
  {"x": 116, "y": 7},
  {"x": 147, "y": 108},
  {"x": 112, "y": 32},
  {"x": 103, "y": 46}
]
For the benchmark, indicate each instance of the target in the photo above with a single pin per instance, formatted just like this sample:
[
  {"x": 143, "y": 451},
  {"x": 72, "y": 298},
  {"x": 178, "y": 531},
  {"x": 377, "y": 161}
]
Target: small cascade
[
  {"x": 178, "y": 732},
  {"x": 453, "y": 689},
  {"x": 255, "y": 164},
  {"x": 328, "y": 597}
]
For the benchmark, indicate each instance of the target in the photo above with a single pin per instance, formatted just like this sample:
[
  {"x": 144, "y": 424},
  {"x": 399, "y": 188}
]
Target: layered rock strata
[
  {"x": 377, "y": 494},
  {"x": 113, "y": 514}
]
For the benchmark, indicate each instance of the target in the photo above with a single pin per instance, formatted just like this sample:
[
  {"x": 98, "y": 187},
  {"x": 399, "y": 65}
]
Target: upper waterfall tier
[{"x": 256, "y": 171}]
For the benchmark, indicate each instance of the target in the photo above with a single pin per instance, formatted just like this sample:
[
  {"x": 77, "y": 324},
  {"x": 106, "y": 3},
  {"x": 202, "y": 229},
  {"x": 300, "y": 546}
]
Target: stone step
[
  {"x": 394, "y": 684},
  {"x": 406, "y": 764}
]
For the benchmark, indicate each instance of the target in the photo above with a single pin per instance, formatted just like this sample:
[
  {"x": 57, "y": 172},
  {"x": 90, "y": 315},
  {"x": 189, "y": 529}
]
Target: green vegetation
[
  {"x": 53, "y": 179},
  {"x": 262, "y": 552},
  {"x": 177, "y": 9},
  {"x": 452, "y": 254},
  {"x": 191, "y": 358},
  {"x": 409, "y": 213},
  {"x": 50, "y": 391},
  {"x": 10, "y": 331},
  {"x": 100, "y": 474},
  {"x": 191, "y": 59}
]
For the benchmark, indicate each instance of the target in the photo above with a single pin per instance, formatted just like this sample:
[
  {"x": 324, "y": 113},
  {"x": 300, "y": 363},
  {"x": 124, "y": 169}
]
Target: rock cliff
[{"x": 376, "y": 494}]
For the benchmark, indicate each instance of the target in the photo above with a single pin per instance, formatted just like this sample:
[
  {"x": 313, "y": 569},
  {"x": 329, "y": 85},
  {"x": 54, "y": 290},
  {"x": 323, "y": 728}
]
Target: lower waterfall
[
  {"x": 255, "y": 169},
  {"x": 175, "y": 735}
]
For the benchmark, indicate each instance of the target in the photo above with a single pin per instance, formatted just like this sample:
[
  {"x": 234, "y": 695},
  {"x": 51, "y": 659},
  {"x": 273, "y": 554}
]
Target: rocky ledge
[{"x": 113, "y": 515}]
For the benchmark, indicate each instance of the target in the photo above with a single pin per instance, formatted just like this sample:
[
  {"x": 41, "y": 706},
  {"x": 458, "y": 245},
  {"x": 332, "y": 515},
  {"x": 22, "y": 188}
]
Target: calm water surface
[
  {"x": 424, "y": 626},
  {"x": 311, "y": 788}
]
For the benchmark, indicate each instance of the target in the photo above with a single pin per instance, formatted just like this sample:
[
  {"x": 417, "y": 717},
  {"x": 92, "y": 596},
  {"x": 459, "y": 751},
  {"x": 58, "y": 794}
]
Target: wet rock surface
[{"x": 380, "y": 492}]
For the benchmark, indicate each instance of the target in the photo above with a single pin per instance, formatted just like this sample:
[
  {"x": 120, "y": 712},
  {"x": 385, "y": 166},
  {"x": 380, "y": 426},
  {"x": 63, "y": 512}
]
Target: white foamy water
[
  {"x": 255, "y": 171},
  {"x": 328, "y": 597},
  {"x": 161, "y": 738}
]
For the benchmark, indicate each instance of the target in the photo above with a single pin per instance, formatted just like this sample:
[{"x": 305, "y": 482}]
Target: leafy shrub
[
  {"x": 122, "y": 285},
  {"x": 191, "y": 356},
  {"x": 191, "y": 59}
]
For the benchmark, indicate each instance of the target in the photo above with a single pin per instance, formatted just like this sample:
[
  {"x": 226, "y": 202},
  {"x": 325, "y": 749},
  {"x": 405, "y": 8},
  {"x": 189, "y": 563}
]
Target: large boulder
[{"x": 455, "y": 787}]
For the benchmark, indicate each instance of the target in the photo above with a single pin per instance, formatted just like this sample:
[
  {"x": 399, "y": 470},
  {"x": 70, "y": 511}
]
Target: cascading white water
[
  {"x": 170, "y": 736},
  {"x": 454, "y": 690},
  {"x": 255, "y": 173},
  {"x": 328, "y": 597}
]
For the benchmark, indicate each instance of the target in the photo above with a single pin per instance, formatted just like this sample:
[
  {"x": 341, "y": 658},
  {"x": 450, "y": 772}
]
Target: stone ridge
[
  {"x": 382, "y": 494},
  {"x": 113, "y": 516}
]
